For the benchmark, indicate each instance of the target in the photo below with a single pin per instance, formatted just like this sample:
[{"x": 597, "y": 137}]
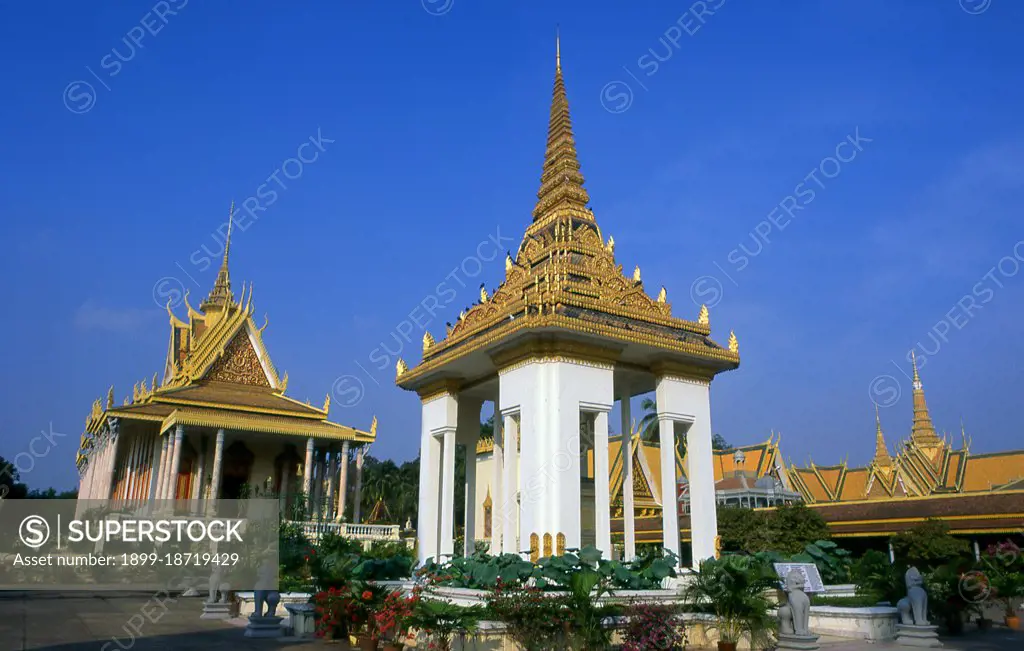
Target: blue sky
[{"x": 431, "y": 119}]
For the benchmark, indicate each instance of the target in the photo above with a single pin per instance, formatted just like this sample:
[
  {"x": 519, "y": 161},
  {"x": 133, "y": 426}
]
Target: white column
[
  {"x": 496, "y": 481},
  {"x": 115, "y": 438},
  {"x": 357, "y": 509},
  {"x": 179, "y": 434},
  {"x": 343, "y": 481},
  {"x": 159, "y": 452},
  {"x": 687, "y": 401},
  {"x": 468, "y": 434},
  {"x": 602, "y": 501},
  {"x": 318, "y": 483},
  {"x": 307, "y": 476},
  {"x": 197, "y": 490},
  {"x": 628, "y": 509},
  {"x": 447, "y": 536},
  {"x": 218, "y": 467},
  {"x": 332, "y": 483},
  {"x": 669, "y": 494},
  {"x": 440, "y": 414},
  {"x": 509, "y": 509},
  {"x": 165, "y": 460}
]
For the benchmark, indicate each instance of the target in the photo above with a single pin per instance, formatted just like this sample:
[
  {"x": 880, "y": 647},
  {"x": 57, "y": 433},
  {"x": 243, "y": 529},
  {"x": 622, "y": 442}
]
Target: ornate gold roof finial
[
  {"x": 428, "y": 340},
  {"x": 882, "y": 457},
  {"x": 923, "y": 431},
  {"x": 561, "y": 183},
  {"x": 508, "y": 262},
  {"x": 401, "y": 368},
  {"x": 135, "y": 392},
  {"x": 154, "y": 385},
  {"x": 734, "y": 343},
  {"x": 704, "y": 317},
  {"x": 662, "y": 295},
  {"x": 110, "y": 397},
  {"x": 483, "y": 293},
  {"x": 284, "y": 382},
  {"x": 373, "y": 426},
  {"x": 462, "y": 315},
  {"x": 220, "y": 296},
  {"x": 636, "y": 274},
  {"x": 610, "y": 246},
  {"x": 327, "y": 403}
]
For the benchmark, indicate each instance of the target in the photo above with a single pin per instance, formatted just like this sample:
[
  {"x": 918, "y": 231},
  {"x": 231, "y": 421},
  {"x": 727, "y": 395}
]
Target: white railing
[{"x": 363, "y": 532}]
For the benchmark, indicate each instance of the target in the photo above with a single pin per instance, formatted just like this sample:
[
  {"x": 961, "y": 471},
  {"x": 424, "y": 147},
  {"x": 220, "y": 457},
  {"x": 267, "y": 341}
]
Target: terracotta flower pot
[
  {"x": 726, "y": 646},
  {"x": 1013, "y": 621},
  {"x": 367, "y": 643}
]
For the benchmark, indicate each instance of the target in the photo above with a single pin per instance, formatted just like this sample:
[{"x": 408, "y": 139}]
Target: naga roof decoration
[{"x": 564, "y": 276}]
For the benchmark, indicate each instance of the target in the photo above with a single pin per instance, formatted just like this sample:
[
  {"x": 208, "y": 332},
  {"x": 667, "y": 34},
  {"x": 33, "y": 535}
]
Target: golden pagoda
[
  {"x": 219, "y": 423},
  {"x": 564, "y": 335}
]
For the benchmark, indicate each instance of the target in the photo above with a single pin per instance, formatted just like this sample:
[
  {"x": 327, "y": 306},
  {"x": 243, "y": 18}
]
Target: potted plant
[
  {"x": 442, "y": 621},
  {"x": 535, "y": 621},
  {"x": 331, "y": 608},
  {"x": 392, "y": 619},
  {"x": 1004, "y": 567},
  {"x": 653, "y": 626},
  {"x": 735, "y": 590}
]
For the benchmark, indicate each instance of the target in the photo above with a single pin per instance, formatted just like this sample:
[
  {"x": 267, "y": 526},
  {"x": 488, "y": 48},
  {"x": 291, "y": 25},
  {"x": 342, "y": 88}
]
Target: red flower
[{"x": 367, "y": 595}]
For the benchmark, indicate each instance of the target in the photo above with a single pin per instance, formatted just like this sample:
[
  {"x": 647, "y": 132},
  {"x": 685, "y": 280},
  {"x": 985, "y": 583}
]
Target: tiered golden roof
[
  {"x": 564, "y": 277},
  {"x": 218, "y": 373},
  {"x": 924, "y": 465}
]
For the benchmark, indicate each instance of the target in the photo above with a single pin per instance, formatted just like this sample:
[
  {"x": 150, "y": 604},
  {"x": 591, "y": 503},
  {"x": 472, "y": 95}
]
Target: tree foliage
[
  {"x": 786, "y": 529},
  {"x": 928, "y": 545}
]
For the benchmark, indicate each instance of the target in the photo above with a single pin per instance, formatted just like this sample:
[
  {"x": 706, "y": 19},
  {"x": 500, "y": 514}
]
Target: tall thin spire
[
  {"x": 561, "y": 183},
  {"x": 882, "y": 457},
  {"x": 558, "y": 51},
  {"x": 220, "y": 295},
  {"x": 922, "y": 432}
]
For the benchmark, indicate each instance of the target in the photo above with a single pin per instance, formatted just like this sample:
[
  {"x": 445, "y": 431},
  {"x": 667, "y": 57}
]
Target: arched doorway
[{"x": 235, "y": 471}]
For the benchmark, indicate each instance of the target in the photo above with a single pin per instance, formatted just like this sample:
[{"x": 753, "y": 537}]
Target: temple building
[
  {"x": 218, "y": 424},
  {"x": 563, "y": 337},
  {"x": 980, "y": 496},
  {"x": 976, "y": 494},
  {"x": 751, "y": 476}
]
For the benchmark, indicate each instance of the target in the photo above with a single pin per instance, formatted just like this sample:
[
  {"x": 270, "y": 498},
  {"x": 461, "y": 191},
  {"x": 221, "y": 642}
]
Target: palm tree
[{"x": 649, "y": 429}]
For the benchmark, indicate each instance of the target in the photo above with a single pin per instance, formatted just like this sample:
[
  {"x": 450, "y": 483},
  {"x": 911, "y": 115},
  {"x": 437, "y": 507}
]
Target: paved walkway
[{"x": 115, "y": 622}]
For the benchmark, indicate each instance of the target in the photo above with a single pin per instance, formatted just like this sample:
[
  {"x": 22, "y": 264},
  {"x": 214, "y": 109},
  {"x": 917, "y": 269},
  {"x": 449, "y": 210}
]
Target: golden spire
[
  {"x": 610, "y": 246},
  {"x": 704, "y": 317},
  {"x": 636, "y": 274},
  {"x": 428, "y": 340},
  {"x": 662, "y": 295},
  {"x": 882, "y": 457},
  {"x": 401, "y": 368},
  {"x": 734, "y": 343},
  {"x": 561, "y": 184},
  {"x": 220, "y": 295},
  {"x": 922, "y": 432},
  {"x": 110, "y": 397}
]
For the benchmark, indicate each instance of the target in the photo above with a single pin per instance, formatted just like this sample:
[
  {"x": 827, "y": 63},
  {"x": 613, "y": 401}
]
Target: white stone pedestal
[
  {"x": 216, "y": 610},
  {"x": 921, "y": 636},
  {"x": 798, "y": 642},
  {"x": 300, "y": 619},
  {"x": 264, "y": 626}
]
